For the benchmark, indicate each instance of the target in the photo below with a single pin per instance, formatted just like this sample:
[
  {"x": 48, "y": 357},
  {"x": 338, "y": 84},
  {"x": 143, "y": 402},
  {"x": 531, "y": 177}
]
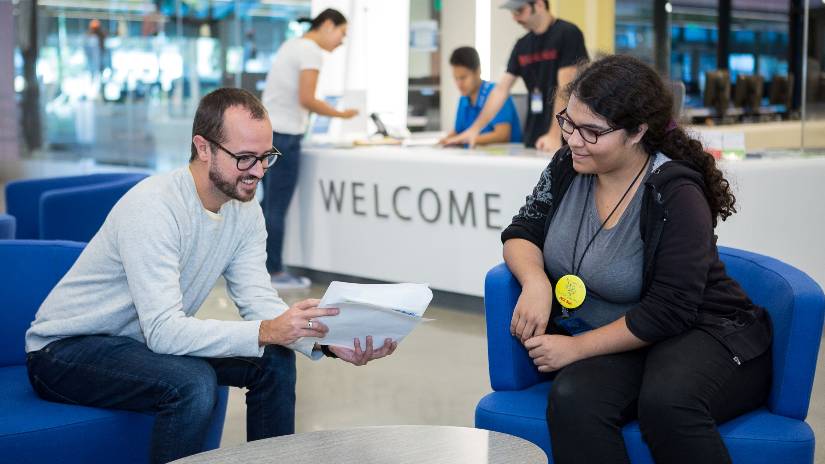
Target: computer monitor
[
  {"x": 356, "y": 125},
  {"x": 679, "y": 93},
  {"x": 321, "y": 124},
  {"x": 748, "y": 92},
  {"x": 717, "y": 91},
  {"x": 781, "y": 92},
  {"x": 325, "y": 130},
  {"x": 741, "y": 63}
]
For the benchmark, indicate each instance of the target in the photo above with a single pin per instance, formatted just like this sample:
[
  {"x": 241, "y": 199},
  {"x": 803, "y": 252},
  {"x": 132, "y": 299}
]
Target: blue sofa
[
  {"x": 774, "y": 433},
  {"x": 33, "y": 430},
  {"x": 8, "y": 226},
  {"x": 65, "y": 208}
]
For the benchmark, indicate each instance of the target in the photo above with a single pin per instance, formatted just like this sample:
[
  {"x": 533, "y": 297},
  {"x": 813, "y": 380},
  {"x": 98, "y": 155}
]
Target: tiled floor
[{"x": 436, "y": 376}]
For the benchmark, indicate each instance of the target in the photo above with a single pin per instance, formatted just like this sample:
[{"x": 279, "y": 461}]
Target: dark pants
[
  {"x": 678, "y": 389},
  {"x": 279, "y": 185},
  {"x": 121, "y": 373}
]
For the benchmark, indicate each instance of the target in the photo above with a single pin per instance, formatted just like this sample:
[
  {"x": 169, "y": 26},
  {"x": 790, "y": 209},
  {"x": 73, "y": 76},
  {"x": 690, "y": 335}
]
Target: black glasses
[
  {"x": 246, "y": 162},
  {"x": 590, "y": 135}
]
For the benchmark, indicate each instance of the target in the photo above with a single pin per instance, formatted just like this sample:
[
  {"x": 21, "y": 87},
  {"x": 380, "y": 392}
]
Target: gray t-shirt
[{"x": 612, "y": 267}]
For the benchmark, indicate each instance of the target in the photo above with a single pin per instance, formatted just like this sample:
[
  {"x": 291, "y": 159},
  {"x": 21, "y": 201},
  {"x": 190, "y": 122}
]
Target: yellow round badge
[{"x": 570, "y": 291}]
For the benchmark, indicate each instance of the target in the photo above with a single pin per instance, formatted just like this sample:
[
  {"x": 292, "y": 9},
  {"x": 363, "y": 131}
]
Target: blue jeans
[
  {"x": 122, "y": 373},
  {"x": 279, "y": 185}
]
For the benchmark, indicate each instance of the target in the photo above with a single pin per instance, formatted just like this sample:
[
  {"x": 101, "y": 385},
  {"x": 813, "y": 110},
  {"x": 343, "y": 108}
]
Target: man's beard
[{"x": 230, "y": 189}]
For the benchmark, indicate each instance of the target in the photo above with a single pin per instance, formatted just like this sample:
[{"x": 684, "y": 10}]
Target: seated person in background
[
  {"x": 118, "y": 331},
  {"x": 505, "y": 127},
  {"x": 647, "y": 324}
]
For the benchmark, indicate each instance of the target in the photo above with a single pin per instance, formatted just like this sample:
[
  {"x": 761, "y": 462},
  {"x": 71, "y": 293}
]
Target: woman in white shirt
[{"x": 289, "y": 96}]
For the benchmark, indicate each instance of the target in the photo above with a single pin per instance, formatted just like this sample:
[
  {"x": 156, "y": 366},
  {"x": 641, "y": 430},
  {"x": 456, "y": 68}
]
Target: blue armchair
[
  {"x": 65, "y": 208},
  {"x": 774, "y": 433},
  {"x": 33, "y": 430}
]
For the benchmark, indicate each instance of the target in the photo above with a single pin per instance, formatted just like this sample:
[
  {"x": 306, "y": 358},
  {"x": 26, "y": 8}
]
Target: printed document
[{"x": 381, "y": 310}]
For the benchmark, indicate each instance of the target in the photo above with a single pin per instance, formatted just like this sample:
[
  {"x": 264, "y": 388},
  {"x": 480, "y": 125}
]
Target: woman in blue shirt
[{"x": 505, "y": 127}]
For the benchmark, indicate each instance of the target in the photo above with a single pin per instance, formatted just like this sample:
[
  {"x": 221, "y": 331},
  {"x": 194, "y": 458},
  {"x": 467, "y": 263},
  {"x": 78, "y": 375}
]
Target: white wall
[
  {"x": 374, "y": 57},
  {"x": 457, "y": 29}
]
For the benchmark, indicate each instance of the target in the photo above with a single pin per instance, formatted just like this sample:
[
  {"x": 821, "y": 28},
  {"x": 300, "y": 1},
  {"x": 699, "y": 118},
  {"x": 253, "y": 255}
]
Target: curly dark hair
[{"x": 628, "y": 93}]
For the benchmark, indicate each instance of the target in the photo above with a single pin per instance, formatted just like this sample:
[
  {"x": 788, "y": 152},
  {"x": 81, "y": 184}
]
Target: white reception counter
[{"x": 434, "y": 216}]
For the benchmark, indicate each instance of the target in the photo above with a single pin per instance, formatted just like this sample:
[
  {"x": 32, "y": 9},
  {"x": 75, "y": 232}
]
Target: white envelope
[{"x": 381, "y": 310}]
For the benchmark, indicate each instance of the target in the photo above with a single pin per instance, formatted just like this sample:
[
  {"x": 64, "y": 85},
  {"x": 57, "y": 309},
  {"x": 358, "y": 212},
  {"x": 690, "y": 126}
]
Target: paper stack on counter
[{"x": 381, "y": 310}]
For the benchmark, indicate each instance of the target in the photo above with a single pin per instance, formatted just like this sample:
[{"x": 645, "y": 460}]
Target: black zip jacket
[{"x": 684, "y": 283}]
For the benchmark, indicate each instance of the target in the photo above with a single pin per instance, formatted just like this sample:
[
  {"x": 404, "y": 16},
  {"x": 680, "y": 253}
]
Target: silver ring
[{"x": 309, "y": 323}]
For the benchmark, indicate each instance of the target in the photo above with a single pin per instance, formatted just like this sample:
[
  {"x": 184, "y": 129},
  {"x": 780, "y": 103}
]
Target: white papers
[{"x": 381, "y": 310}]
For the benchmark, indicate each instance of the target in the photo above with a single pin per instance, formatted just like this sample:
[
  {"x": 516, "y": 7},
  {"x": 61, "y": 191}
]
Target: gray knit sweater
[{"x": 151, "y": 266}]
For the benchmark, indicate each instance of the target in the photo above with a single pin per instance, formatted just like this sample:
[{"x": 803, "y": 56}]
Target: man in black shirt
[{"x": 546, "y": 58}]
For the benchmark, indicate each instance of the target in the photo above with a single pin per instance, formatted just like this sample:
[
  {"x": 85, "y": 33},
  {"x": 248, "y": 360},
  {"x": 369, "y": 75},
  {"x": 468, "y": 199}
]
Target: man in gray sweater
[{"x": 118, "y": 330}]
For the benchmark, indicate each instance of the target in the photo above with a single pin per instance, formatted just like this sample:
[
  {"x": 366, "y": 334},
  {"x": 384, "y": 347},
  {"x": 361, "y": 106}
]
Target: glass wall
[
  {"x": 813, "y": 111},
  {"x": 634, "y": 29},
  {"x": 758, "y": 51},
  {"x": 758, "y": 40},
  {"x": 750, "y": 73},
  {"x": 118, "y": 80}
]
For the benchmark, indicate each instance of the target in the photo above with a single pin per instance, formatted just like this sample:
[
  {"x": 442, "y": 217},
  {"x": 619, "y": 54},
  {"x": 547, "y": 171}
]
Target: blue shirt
[{"x": 467, "y": 113}]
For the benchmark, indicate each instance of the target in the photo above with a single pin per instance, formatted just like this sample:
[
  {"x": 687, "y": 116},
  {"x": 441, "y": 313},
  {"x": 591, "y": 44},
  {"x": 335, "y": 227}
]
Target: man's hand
[
  {"x": 360, "y": 358},
  {"x": 300, "y": 320},
  {"x": 532, "y": 312},
  {"x": 445, "y": 141},
  {"x": 469, "y": 137},
  {"x": 552, "y": 352},
  {"x": 348, "y": 113},
  {"x": 549, "y": 142}
]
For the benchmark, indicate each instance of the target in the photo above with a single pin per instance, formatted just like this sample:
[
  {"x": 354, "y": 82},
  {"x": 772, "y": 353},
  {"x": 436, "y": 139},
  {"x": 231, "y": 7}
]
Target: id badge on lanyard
[{"x": 536, "y": 101}]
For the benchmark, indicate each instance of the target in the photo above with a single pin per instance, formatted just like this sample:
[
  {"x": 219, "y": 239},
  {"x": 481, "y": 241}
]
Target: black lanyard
[{"x": 575, "y": 269}]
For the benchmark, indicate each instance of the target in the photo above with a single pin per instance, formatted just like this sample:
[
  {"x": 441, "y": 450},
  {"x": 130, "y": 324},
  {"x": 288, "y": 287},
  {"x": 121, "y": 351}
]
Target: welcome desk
[{"x": 432, "y": 215}]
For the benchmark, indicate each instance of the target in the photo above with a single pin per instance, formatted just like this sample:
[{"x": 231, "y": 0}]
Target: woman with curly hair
[{"x": 624, "y": 296}]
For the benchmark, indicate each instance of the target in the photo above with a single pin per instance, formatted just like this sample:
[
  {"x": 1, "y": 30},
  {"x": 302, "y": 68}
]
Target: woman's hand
[
  {"x": 552, "y": 352},
  {"x": 348, "y": 113},
  {"x": 532, "y": 311}
]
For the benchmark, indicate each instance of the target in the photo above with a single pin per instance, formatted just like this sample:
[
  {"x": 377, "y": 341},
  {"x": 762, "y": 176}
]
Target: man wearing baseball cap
[{"x": 546, "y": 58}]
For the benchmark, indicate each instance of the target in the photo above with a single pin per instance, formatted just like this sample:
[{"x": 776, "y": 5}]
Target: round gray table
[{"x": 401, "y": 444}]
